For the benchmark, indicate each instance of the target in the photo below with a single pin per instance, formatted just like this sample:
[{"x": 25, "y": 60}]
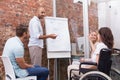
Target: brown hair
[
  {"x": 20, "y": 30},
  {"x": 106, "y": 36}
]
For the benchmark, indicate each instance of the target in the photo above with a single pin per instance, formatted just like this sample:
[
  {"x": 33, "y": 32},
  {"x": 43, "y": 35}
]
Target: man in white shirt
[
  {"x": 14, "y": 49},
  {"x": 36, "y": 37}
]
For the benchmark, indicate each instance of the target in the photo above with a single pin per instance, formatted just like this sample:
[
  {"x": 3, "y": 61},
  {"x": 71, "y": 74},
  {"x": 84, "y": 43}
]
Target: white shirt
[
  {"x": 14, "y": 48},
  {"x": 35, "y": 30},
  {"x": 98, "y": 48}
]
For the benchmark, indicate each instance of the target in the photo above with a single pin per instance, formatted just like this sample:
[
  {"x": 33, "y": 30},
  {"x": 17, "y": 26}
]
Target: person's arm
[
  {"x": 85, "y": 60},
  {"x": 97, "y": 58},
  {"x": 19, "y": 57},
  {"x": 92, "y": 46},
  {"x": 53, "y": 36},
  {"x": 36, "y": 32},
  {"x": 22, "y": 64}
]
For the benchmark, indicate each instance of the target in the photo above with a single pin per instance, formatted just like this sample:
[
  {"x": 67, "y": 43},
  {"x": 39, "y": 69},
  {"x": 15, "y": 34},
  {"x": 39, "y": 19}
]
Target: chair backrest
[
  {"x": 9, "y": 71},
  {"x": 105, "y": 62}
]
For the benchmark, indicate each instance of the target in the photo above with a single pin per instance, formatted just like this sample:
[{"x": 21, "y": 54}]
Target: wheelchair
[{"x": 103, "y": 68}]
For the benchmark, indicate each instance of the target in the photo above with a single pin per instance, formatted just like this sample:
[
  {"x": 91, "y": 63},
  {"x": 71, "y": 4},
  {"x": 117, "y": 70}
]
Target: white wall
[
  {"x": 102, "y": 11},
  {"x": 109, "y": 15},
  {"x": 115, "y": 20}
]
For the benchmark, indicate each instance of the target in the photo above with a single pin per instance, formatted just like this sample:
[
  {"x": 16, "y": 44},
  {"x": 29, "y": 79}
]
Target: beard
[{"x": 41, "y": 17}]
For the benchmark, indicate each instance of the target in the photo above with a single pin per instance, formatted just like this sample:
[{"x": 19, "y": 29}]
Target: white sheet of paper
[
  {"x": 59, "y": 47},
  {"x": 58, "y": 26}
]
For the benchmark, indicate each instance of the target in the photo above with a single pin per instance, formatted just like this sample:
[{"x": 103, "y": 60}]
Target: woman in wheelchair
[{"x": 104, "y": 40}]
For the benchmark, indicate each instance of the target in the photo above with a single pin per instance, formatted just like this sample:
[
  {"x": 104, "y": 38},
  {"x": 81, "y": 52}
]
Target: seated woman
[
  {"x": 93, "y": 42},
  {"x": 105, "y": 40}
]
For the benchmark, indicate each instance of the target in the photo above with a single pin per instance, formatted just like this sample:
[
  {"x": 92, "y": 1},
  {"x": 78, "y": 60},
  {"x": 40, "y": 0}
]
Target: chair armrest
[
  {"x": 88, "y": 63},
  {"x": 71, "y": 72},
  {"x": 8, "y": 76},
  {"x": 84, "y": 70}
]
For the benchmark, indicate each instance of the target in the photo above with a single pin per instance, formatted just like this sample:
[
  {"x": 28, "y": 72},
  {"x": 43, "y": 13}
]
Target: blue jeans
[{"x": 41, "y": 72}]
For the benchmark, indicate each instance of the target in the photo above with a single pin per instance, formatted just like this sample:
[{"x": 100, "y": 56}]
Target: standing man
[
  {"x": 36, "y": 37},
  {"x": 14, "y": 49}
]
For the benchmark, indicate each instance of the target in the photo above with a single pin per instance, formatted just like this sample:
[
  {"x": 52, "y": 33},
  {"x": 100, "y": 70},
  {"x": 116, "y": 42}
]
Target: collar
[
  {"x": 18, "y": 39},
  {"x": 36, "y": 18}
]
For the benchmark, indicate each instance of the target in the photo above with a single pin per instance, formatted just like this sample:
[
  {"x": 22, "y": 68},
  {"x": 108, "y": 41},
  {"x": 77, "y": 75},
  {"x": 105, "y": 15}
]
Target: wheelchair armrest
[
  {"x": 71, "y": 72},
  {"x": 84, "y": 70},
  {"x": 88, "y": 63}
]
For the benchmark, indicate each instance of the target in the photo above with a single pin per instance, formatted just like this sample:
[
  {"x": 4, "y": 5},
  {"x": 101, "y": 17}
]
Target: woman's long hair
[{"x": 106, "y": 36}]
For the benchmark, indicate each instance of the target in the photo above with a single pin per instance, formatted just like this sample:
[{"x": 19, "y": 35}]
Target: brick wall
[
  {"x": 14, "y": 12},
  {"x": 74, "y": 12}
]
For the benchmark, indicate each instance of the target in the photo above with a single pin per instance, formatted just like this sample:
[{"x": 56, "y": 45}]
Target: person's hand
[
  {"x": 82, "y": 60},
  {"x": 31, "y": 66},
  {"x": 53, "y": 36}
]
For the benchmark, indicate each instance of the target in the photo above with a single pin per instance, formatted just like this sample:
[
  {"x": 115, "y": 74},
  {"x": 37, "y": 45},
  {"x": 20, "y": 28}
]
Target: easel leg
[
  {"x": 49, "y": 70},
  {"x": 55, "y": 69}
]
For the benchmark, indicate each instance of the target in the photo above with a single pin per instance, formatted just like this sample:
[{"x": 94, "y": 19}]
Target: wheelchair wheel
[{"x": 95, "y": 75}]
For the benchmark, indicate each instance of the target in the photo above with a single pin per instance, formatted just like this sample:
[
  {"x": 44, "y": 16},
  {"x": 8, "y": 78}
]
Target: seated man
[{"x": 14, "y": 49}]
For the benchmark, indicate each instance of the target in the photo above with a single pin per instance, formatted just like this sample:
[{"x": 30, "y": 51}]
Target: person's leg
[
  {"x": 35, "y": 55},
  {"x": 72, "y": 67},
  {"x": 40, "y": 72}
]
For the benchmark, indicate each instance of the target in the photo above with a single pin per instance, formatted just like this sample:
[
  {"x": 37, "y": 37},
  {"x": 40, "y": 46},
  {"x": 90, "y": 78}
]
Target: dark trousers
[{"x": 41, "y": 72}]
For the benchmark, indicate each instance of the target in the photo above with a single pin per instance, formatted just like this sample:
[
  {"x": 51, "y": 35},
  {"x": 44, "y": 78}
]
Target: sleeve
[
  {"x": 18, "y": 52},
  {"x": 88, "y": 59},
  {"x": 99, "y": 47},
  {"x": 35, "y": 29}
]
